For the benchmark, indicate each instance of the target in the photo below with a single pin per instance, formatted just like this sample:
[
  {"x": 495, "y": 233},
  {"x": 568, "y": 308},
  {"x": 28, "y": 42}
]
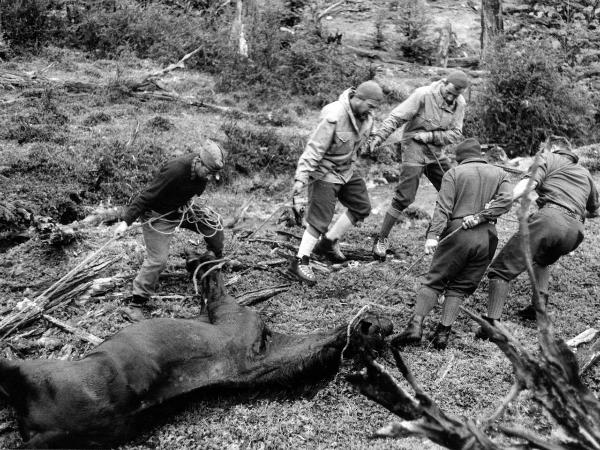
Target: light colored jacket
[
  {"x": 426, "y": 110},
  {"x": 333, "y": 147}
]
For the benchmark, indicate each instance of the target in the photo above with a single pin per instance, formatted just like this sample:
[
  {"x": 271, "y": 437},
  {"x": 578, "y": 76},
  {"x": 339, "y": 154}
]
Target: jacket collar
[
  {"x": 472, "y": 159},
  {"x": 345, "y": 100},
  {"x": 568, "y": 154}
]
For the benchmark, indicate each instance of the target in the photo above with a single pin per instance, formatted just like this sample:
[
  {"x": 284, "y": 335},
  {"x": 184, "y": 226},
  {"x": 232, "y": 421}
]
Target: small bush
[
  {"x": 253, "y": 150},
  {"x": 413, "y": 27},
  {"x": 529, "y": 95}
]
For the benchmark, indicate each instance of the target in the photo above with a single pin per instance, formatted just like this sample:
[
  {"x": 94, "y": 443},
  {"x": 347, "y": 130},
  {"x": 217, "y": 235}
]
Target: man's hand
[
  {"x": 423, "y": 136},
  {"x": 471, "y": 221},
  {"x": 374, "y": 142},
  {"x": 298, "y": 187},
  {"x": 120, "y": 229},
  {"x": 430, "y": 246}
]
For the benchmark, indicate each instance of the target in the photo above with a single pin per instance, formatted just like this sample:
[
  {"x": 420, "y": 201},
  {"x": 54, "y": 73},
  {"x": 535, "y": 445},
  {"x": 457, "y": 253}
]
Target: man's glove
[
  {"x": 430, "y": 246},
  {"x": 298, "y": 188},
  {"x": 423, "y": 136},
  {"x": 472, "y": 221},
  {"x": 120, "y": 229}
]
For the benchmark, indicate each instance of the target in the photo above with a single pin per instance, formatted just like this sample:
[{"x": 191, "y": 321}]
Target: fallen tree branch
[
  {"x": 81, "y": 334},
  {"x": 253, "y": 297}
]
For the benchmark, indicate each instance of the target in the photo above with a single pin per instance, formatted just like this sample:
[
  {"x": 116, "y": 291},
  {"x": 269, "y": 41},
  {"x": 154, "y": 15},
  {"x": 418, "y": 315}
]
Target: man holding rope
[
  {"x": 471, "y": 197},
  {"x": 160, "y": 208},
  {"x": 432, "y": 117},
  {"x": 565, "y": 191},
  {"x": 326, "y": 168}
]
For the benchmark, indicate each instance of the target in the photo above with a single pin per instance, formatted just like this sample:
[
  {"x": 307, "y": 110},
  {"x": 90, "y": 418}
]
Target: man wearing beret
[
  {"x": 158, "y": 206},
  {"x": 432, "y": 117},
  {"x": 565, "y": 191},
  {"x": 326, "y": 168},
  {"x": 472, "y": 195}
]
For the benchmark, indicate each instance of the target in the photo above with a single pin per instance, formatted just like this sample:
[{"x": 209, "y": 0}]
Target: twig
[
  {"x": 83, "y": 335},
  {"x": 274, "y": 242},
  {"x": 513, "y": 393}
]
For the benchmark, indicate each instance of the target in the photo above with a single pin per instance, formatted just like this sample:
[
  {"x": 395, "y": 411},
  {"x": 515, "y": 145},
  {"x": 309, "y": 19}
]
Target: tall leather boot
[
  {"x": 542, "y": 276},
  {"x": 411, "y": 334}
]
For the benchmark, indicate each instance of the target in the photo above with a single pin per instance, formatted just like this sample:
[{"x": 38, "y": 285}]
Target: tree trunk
[{"x": 491, "y": 22}]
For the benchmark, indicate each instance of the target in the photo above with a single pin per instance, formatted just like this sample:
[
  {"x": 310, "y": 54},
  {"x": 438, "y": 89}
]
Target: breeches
[
  {"x": 552, "y": 234},
  {"x": 460, "y": 262}
]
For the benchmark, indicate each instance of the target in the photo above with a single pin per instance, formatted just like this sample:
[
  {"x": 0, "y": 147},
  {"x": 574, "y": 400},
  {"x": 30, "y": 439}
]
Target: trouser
[
  {"x": 408, "y": 184},
  {"x": 460, "y": 262},
  {"x": 552, "y": 234},
  {"x": 157, "y": 234},
  {"x": 323, "y": 196}
]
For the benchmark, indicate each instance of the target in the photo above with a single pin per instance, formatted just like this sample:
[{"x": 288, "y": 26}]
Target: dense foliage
[{"x": 530, "y": 94}]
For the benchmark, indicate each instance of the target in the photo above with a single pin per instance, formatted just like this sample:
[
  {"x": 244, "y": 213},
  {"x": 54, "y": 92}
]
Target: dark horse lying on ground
[{"x": 94, "y": 401}]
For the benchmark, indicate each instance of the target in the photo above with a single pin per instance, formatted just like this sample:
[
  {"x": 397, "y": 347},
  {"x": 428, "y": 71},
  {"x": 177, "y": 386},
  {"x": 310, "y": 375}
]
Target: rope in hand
[{"x": 198, "y": 216}]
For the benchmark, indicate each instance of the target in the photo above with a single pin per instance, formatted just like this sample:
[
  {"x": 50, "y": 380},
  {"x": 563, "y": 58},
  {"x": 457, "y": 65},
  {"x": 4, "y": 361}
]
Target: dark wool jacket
[
  {"x": 472, "y": 187},
  {"x": 561, "y": 180},
  {"x": 174, "y": 186}
]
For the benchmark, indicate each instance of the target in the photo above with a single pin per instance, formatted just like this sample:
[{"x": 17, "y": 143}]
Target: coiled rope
[{"x": 198, "y": 216}]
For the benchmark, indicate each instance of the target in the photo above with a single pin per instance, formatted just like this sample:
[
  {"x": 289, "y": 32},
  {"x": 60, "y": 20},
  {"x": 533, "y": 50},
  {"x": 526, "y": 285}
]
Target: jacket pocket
[{"x": 343, "y": 142}]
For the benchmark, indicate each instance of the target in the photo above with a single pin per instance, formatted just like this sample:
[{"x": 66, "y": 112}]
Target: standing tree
[{"x": 491, "y": 22}]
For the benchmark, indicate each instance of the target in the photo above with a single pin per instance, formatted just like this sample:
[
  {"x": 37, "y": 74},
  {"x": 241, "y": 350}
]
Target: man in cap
[
  {"x": 158, "y": 206},
  {"x": 472, "y": 195},
  {"x": 326, "y": 168},
  {"x": 565, "y": 191},
  {"x": 432, "y": 117}
]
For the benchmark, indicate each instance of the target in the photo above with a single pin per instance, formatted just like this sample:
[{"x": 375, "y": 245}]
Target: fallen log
[
  {"x": 589, "y": 358},
  {"x": 81, "y": 334},
  {"x": 97, "y": 400}
]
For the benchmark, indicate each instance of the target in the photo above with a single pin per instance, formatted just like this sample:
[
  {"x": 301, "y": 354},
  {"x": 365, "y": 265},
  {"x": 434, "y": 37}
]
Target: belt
[{"x": 565, "y": 211}]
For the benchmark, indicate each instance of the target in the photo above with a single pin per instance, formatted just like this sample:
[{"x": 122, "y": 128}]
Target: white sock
[
  {"x": 307, "y": 244},
  {"x": 340, "y": 226}
]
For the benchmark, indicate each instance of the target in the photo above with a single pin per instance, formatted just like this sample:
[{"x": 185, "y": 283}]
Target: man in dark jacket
[
  {"x": 177, "y": 182},
  {"x": 326, "y": 169},
  {"x": 565, "y": 192},
  {"x": 432, "y": 117},
  {"x": 472, "y": 195}
]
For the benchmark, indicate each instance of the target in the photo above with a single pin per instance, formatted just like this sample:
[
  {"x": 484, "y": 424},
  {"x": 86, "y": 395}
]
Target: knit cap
[
  {"x": 212, "y": 155},
  {"x": 369, "y": 90},
  {"x": 469, "y": 148},
  {"x": 458, "y": 78}
]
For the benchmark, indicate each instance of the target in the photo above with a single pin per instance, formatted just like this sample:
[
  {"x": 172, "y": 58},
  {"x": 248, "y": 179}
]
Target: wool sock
[
  {"x": 496, "y": 297},
  {"x": 451, "y": 309},
  {"x": 426, "y": 300},
  {"x": 341, "y": 225},
  {"x": 309, "y": 240},
  {"x": 386, "y": 227}
]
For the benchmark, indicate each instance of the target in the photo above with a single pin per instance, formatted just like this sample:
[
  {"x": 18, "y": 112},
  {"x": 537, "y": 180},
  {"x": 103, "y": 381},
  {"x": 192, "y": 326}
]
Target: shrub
[
  {"x": 24, "y": 22},
  {"x": 413, "y": 23},
  {"x": 256, "y": 149},
  {"x": 529, "y": 95}
]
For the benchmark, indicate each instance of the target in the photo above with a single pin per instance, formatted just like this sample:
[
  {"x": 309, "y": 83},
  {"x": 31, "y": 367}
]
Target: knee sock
[
  {"x": 426, "y": 300},
  {"x": 309, "y": 240},
  {"x": 451, "y": 310},
  {"x": 496, "y": 297},
  {"x": 386, "y": 227},
  {"x": 341, "y": 225}
]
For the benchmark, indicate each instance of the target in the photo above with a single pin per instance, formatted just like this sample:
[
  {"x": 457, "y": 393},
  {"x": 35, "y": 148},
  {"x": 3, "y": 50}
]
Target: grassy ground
[{"x": 469, "y": 378}]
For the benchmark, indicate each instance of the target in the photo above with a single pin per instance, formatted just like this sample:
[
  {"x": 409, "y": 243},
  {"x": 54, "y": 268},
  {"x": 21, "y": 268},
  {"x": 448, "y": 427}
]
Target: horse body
[{"x": 94, "y": 401}]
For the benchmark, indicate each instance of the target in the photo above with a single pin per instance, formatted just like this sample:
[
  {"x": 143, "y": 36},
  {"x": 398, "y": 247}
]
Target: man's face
[
  {"x": 362, "y": 107},
  {"x": 450, "y": 92}
]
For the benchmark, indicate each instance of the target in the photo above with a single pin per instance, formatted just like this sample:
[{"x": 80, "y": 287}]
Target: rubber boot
[
  {"x": 441, "y": 336},
  {"x": 411, "y": 334},
  {"x": 330, "y": 249}
]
